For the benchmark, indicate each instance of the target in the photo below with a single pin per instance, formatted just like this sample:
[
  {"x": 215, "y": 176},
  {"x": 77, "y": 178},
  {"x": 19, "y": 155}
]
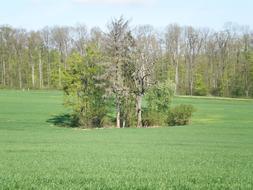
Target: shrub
[
  {"x": 236, "y": 89},
  {"x": 152, "y": 118},
  {"x": 200, "y": 87},
  {"x": 159, "y": 97},
  {"x": 180, "y": 115},
  {"x": 200, "y": 91},
  {"x": 158, "y": 100},
  {"x": 91, "y": 119}
]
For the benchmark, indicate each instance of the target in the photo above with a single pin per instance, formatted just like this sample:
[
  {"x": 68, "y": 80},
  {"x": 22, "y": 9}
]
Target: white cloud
[{"x": 124, "y": 2}]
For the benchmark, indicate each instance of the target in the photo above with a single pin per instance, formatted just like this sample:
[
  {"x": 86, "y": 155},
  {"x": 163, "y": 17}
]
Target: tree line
[{"x": 200, "y": 61}]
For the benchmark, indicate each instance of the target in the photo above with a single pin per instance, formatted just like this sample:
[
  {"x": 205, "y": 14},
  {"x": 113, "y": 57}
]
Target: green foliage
[
  {"x": 153, "y": 118},
  {"x": 237, "y": 90},
  {"x": 158, "y": 99},
  {"x": 180, "y": 115},
  {"x": 84, "y": 88},
  {"x": 55, "y": 64},
  {"x": 159, "y": 96},
  {"x": 200, "y": 87},
  {"x": 249, "y": 58}
]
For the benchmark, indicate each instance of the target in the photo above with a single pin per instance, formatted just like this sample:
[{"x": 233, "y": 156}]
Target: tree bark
[
  {"x": 48, "y": 71},
  {"x": 59, "y": 73},
  {"x": 20, "y": 76},
  {"x": 33, "y": 78},
  {"x": 40, "y": 71},
  {"x": 4, "y": 74},
  {"x": 118, "y": 115},
  {"x": 139, "y": 111},
  {"x": 176, "y": 78},
  {"x": 124, "y": 123}
]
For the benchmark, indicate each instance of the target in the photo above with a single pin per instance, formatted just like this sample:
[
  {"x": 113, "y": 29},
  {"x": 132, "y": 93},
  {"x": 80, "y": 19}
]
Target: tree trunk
[
  {"x": 118, "y": 114},
  {"x": 138, "y": 110},
  {"x": 20, "y": 76},
  {"x": 176, "y": 78},
  {"x": 246, "y": 86},
  {"x": 4, "y": 74},
  {"x": 191, "y": 79},
  {"x": 33, "y": 78},
  {"x": 10, "y": 78},
  {"x": 40, "y": 72},
  {"x": 20, "y": 72},
  {"x": 48, "y": 71},
  {"x": 124, "y": 123},
  {"x": 59, "y": 72},
  {"x": 247, "y": 93},
  {"x": 191, "y": 87}
]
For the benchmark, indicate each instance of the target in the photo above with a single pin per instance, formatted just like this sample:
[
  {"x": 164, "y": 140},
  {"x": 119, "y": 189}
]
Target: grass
[{"x": 214, "y": 152}]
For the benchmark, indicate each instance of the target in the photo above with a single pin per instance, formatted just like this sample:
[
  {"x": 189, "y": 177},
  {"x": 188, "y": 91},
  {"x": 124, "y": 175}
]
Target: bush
[
  {"x": 159, "y": 97},
  {"x": 180, "y": 115},
  {"x": 200, "y": 91},
  {"x": 158, "y": 100},
  {"x": 153, "y": 118},
  {"x": 200, "y": 87},
  {"x": 90, "y": 120}
]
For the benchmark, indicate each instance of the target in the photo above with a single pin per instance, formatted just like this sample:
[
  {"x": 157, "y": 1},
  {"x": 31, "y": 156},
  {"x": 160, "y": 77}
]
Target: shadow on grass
[{"x": 63, "y": 120}]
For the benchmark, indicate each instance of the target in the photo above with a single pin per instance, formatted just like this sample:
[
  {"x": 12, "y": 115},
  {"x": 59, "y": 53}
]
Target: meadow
[{"x": 214, "y": 152}]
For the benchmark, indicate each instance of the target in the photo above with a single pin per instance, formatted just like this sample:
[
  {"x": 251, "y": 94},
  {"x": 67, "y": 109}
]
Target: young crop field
[{"x": 214, "y": 152}]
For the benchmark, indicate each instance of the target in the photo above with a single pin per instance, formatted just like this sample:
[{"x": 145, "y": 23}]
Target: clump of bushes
[
  {"x": 180, "y": 115},
  {"x": 152, "y": 118},
  {"x": 159, "y": 112}
]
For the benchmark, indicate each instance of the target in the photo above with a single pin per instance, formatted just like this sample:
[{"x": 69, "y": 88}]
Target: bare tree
[
  {"x": 46, "y": 35},
  {"x": 147, "y": 51},
  {"x": 61, "y": 41},
  {"x": 80, "y": 38},
  {"x": 19, "y": 45},
  {"x": 193, "y": 43},
  {"x": 35, "y": 44},
  {"x": 174, "y": 49}
]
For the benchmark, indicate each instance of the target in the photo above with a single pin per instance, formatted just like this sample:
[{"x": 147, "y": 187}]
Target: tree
[
  {"x": 35, "y": 45},
  {"x": 20, "y": 45},
  {"x": 61, "y": 40},
  {"x": 147, "y": 51},
  {"x": 46, "y": 35},
  {"x": 80, "y": 38},
  {"x": 85, "y": 89},
  {"x": 6, "y": 50},
  {"x": 193, "y": 43},
  {"x": 118, "y": 47},
  {"x": 223, "y": 40},
  {"x": 173, "y": 48}
]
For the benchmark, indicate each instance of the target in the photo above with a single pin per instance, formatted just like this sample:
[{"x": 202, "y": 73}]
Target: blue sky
[{"x": 34, "y": 14}]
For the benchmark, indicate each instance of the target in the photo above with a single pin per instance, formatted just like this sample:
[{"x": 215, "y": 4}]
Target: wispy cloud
[{"x": 115, "y": 2}]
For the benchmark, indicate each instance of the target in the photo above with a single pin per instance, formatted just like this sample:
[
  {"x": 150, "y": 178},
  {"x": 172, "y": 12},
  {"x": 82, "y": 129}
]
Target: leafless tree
[
  {"x": 174, "y": 45},
  {"x": 147, "y": 51}
]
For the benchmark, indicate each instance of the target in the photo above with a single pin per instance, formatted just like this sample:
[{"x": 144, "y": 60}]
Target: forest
[{"x": 200, "y": 61}]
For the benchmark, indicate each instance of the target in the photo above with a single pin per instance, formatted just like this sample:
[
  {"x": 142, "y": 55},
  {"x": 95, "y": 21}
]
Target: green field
[{"x": 214, "y": 152}]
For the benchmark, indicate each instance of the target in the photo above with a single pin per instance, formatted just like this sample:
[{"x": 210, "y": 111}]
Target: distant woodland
[{"x": 199, "y": 61}]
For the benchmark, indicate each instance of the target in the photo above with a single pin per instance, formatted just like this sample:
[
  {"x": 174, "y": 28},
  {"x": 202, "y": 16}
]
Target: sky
[{"x": 35, "y": 14}]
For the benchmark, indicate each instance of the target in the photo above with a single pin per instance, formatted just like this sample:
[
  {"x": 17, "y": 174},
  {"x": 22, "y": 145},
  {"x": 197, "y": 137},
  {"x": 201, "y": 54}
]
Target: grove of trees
[{"x": 127, "y": 63}]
